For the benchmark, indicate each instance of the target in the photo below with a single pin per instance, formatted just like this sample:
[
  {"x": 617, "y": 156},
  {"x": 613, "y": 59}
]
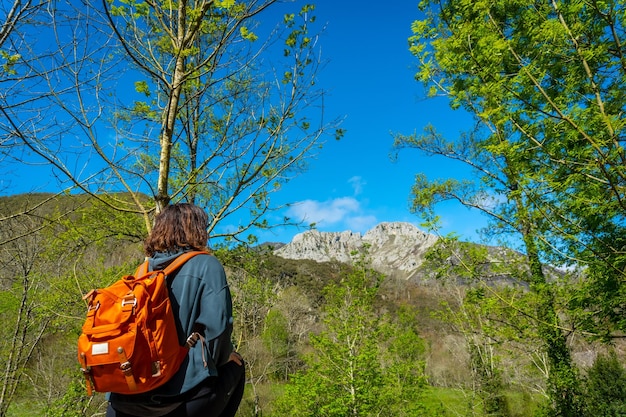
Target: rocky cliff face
[{"x": 395, "y": 248}]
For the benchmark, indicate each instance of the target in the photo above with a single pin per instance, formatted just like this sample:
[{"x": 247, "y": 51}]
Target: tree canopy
[{"x": 545, "y": 83}]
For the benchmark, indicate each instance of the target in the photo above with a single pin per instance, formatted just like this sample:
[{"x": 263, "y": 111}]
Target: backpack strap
[
  {"x": 173, "y": 266},
  {"x": 142, "y": 269},
  {"x": 179, "y": 261}
]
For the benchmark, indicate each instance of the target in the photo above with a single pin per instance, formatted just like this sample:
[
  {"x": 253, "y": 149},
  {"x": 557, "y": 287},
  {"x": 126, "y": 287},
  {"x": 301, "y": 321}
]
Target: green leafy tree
[
  {"x": 73, "y": 403},
  {"x": 254, "y": 294},
  {"x": 24, "y": 286},
  {"x": 49, "y": 259},
  {"x": 483, "y": 347},
  {"x": 546, "y": 146},
  {"x": 278, "y": 342},
  {"x": 606, "y": 387},
  {"x": 359, "y": 365},
  {"x": 15, "y": 13},
  {"x": 547, "y": 140},
  {"x": 404, "y": 368},
  {"x": 494, "y": 313}
]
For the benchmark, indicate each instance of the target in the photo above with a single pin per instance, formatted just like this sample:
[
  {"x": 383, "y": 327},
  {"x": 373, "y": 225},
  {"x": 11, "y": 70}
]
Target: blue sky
[{"x": 353, "y": 184}]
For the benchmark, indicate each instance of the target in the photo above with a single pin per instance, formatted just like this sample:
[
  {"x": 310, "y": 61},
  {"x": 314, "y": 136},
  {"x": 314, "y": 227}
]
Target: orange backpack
[{"x": 129, "y": 342}]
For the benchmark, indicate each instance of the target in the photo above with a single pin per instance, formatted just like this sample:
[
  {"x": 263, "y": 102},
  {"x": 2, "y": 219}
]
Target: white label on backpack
[{"x": 99, "y": 348}]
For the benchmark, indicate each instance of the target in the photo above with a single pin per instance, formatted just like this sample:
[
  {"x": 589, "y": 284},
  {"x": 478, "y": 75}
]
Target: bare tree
[
  {"x": 13, "y": 16},
  {"x": 182, "y": 103},
  {"x": 231, "y": 124},
  {"x": 24, "y": 327}
]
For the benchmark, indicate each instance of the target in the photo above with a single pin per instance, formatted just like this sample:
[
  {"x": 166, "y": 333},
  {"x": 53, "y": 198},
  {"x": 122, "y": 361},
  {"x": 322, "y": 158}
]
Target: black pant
[{"x": 221, "y": 398}]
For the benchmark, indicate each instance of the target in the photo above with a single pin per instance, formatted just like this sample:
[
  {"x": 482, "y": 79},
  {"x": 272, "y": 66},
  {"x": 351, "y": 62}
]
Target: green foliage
[
  {"x": 545, "y": 153},
  {"x": 544, "y": 145},
  {"x": 252, "y": 292},
  {"x": 72, "y": 403},
  {"x": 50, "y": 257},
  {"x": 142, "y": 87},
  {"x": 310, "y": 320},
  {"x": 10, "y": 60},
  {"x": 275, "y": 334},
  {"x": 606, "y": 387},
  {"x": 96, "y": 225},
  {"x": 298, "y": 38},
  {"x": 247, "y": 34},
  {"x": 492, "y": 322},
  {"x": 488, "y": 379},
  {"x": 361, "y": 364},
  {"x": 494, "y": 319},
  {"x": 404, "y": 382},
  {"x": 189, "y": 59}
]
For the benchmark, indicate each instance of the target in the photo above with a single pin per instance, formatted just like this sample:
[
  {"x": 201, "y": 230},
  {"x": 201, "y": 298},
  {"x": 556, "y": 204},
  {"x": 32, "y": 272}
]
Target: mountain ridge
[{"x": 394, "y": 248}]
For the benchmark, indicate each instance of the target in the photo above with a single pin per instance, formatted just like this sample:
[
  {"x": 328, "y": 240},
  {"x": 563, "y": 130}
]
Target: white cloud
[
  {"x": 338, "y": 214},
  {"x": 357, "y": 184},
  {"x": 345, "y": 213},
  {"x": 324, "y": 212}
]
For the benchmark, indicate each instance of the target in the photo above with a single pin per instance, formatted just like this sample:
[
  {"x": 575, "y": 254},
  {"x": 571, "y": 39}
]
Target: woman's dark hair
[{"x": 177, "y": 227}]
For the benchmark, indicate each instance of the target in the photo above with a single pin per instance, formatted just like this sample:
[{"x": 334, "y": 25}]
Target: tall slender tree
[
  {"x": 545, "y": 84},
  {"x": 551, "y": 126}
]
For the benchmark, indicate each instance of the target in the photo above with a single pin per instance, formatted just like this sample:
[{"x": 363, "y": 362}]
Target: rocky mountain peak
[{"x": 395, "y": 248}]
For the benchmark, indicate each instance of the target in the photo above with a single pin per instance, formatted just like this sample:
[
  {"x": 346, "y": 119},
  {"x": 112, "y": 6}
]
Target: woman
[{"x": 211, "y": 380}]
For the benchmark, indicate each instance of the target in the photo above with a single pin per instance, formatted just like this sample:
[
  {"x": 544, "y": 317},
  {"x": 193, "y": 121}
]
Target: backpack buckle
[
  {"x": 126, "y": 368},
  {"x": 129, "y": 299}
]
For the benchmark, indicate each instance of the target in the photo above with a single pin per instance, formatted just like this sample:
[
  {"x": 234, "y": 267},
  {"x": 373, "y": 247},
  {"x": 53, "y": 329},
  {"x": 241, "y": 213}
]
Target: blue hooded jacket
[{"x": 201, "y": 302}]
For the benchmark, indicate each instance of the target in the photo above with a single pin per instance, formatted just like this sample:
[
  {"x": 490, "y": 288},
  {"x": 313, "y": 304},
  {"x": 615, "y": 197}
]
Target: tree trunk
[{"x": 171, "y": 114}]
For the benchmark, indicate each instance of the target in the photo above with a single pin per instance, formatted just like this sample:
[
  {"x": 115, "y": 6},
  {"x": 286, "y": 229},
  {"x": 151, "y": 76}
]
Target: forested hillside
[{"x": 310, "y": 331}]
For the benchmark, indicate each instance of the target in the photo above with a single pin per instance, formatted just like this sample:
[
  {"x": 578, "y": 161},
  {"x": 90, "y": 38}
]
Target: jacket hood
[{"x": 162, "y": 259}]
